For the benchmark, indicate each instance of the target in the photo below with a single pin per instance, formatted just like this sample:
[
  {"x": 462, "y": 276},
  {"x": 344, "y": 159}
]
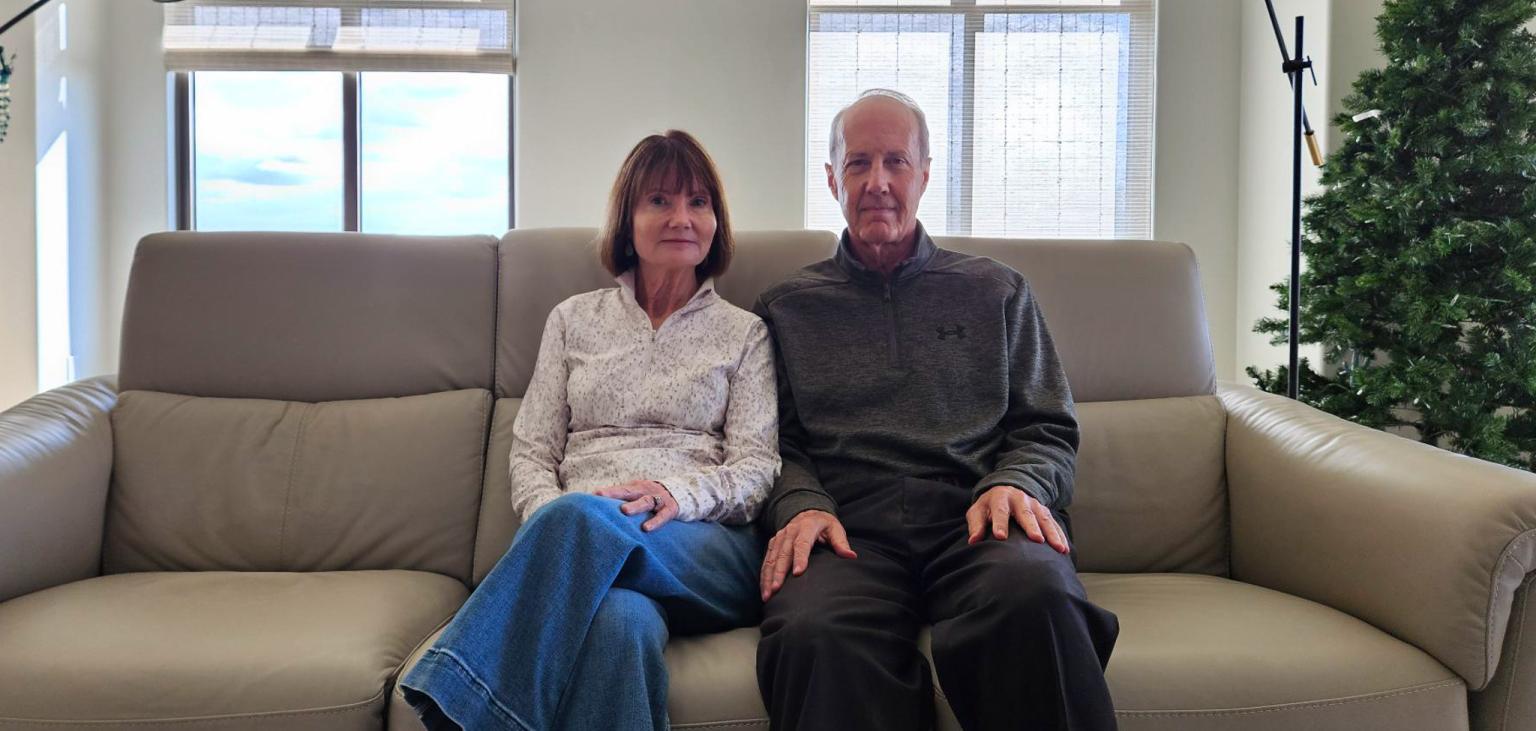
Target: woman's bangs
[{"x": 671, "y": 170}]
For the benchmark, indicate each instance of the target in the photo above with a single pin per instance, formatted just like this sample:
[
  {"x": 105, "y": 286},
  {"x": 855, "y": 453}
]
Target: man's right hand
[{"x": 789, "y": 551}]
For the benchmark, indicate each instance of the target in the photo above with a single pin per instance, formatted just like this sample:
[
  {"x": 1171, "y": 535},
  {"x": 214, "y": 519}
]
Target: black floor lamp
[{"x": 1293, "y": 67}]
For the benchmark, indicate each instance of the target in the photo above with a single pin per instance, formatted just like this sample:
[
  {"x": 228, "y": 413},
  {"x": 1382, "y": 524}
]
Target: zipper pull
[{"x": 887, "y": 291}]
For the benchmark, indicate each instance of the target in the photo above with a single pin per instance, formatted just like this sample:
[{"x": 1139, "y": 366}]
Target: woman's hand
[{"x": 642, "y": 496}]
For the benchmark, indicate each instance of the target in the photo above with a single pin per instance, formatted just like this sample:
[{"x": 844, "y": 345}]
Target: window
[
  {"x": 434, "y": 153},
  {"x": 1039, "y": 111},
  {"x": 348, "y": 115},
  {"x": 267, "y": 151}
]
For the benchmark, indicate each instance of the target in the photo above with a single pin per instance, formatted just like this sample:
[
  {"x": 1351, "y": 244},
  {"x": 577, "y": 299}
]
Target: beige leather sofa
[{"x": 301, "y": 473}]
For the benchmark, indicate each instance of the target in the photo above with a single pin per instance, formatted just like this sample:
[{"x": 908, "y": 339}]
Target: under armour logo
[{"x": 957, "y": 332}]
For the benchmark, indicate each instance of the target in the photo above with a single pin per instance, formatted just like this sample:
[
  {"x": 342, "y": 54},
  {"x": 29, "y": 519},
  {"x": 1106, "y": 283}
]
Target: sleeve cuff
[
  {"x": 682, "y": 490},
  {"x": 798, "y": 502},
  {"x": 993, "y": 480}
]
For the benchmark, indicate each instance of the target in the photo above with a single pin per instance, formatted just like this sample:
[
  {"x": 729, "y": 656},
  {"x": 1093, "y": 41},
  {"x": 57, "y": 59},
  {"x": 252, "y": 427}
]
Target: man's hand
[
  {"x": 789, "y": 551},
  {"x": 642, "y": 496},
  {"x": 1000, "y": 503}
]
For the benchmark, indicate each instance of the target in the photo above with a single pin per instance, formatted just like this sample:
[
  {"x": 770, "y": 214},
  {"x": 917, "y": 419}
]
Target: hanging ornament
[{"x": 5, "y": 91}]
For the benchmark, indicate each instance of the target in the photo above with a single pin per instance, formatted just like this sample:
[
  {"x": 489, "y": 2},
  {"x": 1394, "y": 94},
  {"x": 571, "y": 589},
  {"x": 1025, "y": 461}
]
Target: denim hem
[{"x": 457, "y": 693}]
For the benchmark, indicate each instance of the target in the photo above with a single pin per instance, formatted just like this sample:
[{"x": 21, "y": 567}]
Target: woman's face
[{"x": 673, "y": 229}]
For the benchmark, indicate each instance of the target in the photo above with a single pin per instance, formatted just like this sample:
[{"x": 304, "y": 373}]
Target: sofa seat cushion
[
  {"x": 1201, "y": 652},
  {"x": 216, "y": 649},
  {"x": 1195, "y": 652}
]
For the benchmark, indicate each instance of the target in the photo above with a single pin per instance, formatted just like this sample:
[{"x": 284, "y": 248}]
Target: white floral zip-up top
[{"x": 691, "y": 405}]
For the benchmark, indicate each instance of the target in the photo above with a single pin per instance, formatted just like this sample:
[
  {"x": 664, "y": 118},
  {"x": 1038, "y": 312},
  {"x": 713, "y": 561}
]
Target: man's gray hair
[{"x": 836, "y": 140}]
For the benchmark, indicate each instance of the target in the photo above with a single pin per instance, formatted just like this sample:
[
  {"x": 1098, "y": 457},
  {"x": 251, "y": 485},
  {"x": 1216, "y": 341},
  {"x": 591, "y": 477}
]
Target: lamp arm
[{"x": 22, "y": 15}]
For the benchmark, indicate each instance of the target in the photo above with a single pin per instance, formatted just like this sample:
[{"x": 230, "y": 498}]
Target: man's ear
[
  {"x": 927, "y": 166},
  {"x": 832, "y": 180}
]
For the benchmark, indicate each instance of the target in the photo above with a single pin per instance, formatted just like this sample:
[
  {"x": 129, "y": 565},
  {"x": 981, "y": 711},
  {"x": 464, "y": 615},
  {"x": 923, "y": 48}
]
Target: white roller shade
[
  {"x": 1040, "y": 111},
  {"x": 340, "y": 35}
]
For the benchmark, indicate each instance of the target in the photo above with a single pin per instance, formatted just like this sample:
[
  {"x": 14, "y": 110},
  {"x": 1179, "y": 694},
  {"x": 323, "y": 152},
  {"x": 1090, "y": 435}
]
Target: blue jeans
[{"x": 567, "y": 632}]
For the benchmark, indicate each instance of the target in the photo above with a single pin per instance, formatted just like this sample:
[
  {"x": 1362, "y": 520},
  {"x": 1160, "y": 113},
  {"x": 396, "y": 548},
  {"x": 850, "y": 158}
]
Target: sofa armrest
[
  {"x": 1427, "y": 545},
  {"x": 55, "y": 466},
  {"x": 1509, "y": 702}
]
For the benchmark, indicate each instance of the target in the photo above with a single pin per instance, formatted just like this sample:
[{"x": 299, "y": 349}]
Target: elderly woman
[{"x": 645, "y": 445}]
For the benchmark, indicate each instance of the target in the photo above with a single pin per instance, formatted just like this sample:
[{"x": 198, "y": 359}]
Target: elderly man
[{"x": 923, "y": 413}]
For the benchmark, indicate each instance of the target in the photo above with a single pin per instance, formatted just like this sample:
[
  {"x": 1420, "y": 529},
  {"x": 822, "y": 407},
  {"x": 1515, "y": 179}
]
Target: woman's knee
[
  {"x": 577, "y": 509},
  {"x": 579, "y": 503}
]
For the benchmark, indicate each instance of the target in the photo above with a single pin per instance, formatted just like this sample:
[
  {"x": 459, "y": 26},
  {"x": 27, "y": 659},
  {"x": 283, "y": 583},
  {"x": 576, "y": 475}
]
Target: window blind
[
  {"x": 340, "y": 35},
  {"x": 1040, "y": 111}
]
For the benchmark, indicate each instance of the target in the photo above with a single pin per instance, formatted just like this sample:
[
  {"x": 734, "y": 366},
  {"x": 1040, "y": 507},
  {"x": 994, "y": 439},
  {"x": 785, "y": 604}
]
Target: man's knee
[
  {"x": 1029, "y": 588},
  {"x": 806, "y": 634}
]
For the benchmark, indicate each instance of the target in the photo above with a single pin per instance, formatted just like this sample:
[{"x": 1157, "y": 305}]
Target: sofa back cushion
[
  {"x": 1127, "y": 316},
  {"x": 1151, "y": 492},
  {"x": 309, "y": 317},
  {"x": 204, "y": 483}
]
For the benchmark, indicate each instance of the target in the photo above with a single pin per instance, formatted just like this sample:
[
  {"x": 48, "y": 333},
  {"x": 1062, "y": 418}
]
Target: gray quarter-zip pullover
[{"x": 945, "y": 371}]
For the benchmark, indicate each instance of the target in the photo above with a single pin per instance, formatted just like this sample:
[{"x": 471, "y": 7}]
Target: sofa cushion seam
[
  {"x": 293, "y": 462},
  {"x": 487, "y": 423},
  {"x": 741, "y": 723},
  {"x": 1306, "y": 705},
  {"x": 206, "y": 719},
  {"x": 474, "y": 551}
]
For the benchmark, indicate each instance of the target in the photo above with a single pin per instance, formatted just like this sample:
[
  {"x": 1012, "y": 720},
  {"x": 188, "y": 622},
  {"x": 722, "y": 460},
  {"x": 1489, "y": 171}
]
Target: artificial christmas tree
[{"x": 1421, "y": 250}]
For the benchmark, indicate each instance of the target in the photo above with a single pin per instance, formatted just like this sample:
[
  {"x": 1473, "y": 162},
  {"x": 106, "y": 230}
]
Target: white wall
[
  {"x": 59, "y": 95},
  {"x": 136, "y": 173},
  {"x": 596, "y": 76},
  {"x": 18, "y": 200},
  {"x": 1195, "y": 180},
  {"x": 69, "y": 96}
]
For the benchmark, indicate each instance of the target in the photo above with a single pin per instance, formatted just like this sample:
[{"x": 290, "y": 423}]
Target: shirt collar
[
  {"x": 922, "y": 251},
  {"x": 701, "y": 296}
]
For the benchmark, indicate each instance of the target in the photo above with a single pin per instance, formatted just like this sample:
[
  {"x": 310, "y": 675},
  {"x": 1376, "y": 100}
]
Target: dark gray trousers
[{"x": 1016, "y": 643}]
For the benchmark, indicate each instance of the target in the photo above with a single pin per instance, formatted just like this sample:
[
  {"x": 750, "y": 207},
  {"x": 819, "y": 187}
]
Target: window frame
[
  {"x": 184, "y": 152},
  {"x": 961, "y": 170}
]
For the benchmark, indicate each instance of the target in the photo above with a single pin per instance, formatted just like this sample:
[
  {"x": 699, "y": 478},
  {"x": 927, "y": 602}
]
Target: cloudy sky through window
[{"x": 269, "y": 152}]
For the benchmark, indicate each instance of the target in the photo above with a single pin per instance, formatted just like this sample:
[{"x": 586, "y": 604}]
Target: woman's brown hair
[{"x": 674, "y": 162}]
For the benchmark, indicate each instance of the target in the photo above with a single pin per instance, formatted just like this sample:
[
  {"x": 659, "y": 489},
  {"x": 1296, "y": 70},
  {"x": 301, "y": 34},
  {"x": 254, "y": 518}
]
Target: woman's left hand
[{"x": 642, "y": 496}]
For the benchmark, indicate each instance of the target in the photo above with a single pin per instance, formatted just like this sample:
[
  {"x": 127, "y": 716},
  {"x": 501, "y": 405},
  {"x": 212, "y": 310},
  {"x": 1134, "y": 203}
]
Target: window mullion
[
  {"x": 181, "y": 107},
  {"x": 962, "y": 126},
  {"x": 512, "y": 152},
  {"x": 350, "y": 138}
]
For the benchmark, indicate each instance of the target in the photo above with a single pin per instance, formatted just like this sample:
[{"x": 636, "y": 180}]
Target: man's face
[{"x": 879, "y": 178}]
